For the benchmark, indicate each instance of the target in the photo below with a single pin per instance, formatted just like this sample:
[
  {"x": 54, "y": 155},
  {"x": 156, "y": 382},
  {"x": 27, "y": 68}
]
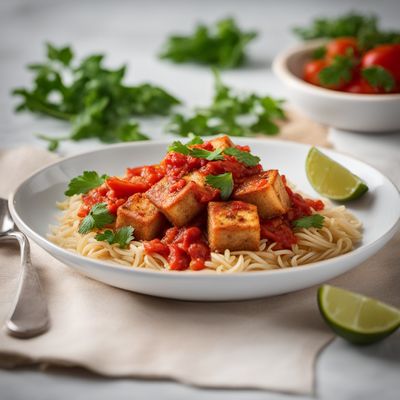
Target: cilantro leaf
[
  {"x": 122, "y": 236},
  {"x": 208, "y": 155},
  {"x": 222, "y": 45},
  {"x": 311, "y": 221},
  {"x": 346, "y": 25},
  {"x": 339, "y": 71},
  {"x": 195, "y": 140},
  {"x": 235, "y": 114},
  {"x": 87, "y": 224},
  {"x": 319, "y": 53},
  {"x": 223, "y": 182},
  {"x": 85, "y": 182},
  {"x": 363, "y": 27},
  {"x": 379, "y": 77},
  {"x": 92, "y": 98},
  {"x": 179, "y": 147},
  {"x": 98, "y": 217},
  {"x": 243, "y": 156},
  {"x": 106, "y": 236}
]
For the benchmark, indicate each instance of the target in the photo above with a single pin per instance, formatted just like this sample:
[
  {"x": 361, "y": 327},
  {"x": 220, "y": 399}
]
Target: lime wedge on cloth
[
  {"x": 358, "y": 319},
  {"x": 332, "y": 180}
]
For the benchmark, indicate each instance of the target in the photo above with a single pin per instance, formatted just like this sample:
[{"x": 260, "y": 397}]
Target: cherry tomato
[
  {"x": 312, "y": 69},
  {"x": 340, "y": 47},
  {"x": 360, "y": 86},
  {"x": 386, "y": 56},
  {"x": 123, "y": 188}
]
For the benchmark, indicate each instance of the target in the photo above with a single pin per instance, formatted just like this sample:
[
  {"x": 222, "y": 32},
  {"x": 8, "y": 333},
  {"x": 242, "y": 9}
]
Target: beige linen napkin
[{"x": 268, "y": 344}]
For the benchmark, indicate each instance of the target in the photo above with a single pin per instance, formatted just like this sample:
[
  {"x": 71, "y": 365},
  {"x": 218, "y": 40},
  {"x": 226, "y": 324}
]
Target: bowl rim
[
  {"x": 281, "y": 69},
  {"x": 52, "y": 248}
]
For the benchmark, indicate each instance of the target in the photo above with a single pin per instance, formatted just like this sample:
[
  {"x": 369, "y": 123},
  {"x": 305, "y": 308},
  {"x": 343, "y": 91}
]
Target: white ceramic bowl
[
  {"x": 33, "y": 208},
  {"x": 348, "y": 111}
]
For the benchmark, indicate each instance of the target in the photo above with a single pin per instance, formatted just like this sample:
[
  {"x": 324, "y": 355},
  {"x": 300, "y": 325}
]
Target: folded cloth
[{"x": 270, "y": 343}]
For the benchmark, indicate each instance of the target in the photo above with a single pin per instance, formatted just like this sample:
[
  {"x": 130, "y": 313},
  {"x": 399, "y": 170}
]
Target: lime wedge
[
  {"x": 331, "y": 179},
  {"x": 356, "y": 318}
]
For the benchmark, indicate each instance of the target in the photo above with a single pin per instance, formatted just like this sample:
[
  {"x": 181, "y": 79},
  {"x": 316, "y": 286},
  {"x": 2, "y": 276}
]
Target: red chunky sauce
[{"x": 183, "y": 248}]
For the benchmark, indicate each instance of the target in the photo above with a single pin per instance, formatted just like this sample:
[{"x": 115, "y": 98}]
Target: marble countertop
[{"x": 132, "y": 32}]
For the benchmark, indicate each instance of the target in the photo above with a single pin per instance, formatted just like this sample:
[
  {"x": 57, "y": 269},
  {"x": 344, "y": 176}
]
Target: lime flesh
[
  {"x": 356, "y": 318},
  {"x": 331, "y": 179}
]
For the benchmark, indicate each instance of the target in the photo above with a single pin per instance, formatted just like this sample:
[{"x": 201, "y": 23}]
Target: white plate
[{"x": 33, "y": 208}]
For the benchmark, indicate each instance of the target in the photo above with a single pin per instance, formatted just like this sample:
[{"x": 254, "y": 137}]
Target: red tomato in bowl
[
  {"x": 312, "y": 69},
  {"x": 340, "y": 47},
  {"x": 386, "y": 56},
  {"x": 360, "y": 86}
]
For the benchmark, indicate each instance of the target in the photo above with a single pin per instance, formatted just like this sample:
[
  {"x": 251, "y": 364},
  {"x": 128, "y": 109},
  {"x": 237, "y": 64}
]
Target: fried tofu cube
[
  {"x": 266, "y": 191},
  {"x": 233, "y": 225},
  {"x": 222, "y": 142},
  {"x": 178, "y": 201},
  {"x": 142, "y": 215}
]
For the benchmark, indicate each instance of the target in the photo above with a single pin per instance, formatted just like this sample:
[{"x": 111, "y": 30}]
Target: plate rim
[{"x": 81, "y": 260}]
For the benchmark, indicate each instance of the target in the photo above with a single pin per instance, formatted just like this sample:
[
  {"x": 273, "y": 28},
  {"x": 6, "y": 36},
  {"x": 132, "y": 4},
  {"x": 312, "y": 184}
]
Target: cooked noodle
[{"x": 341, "y": 231}]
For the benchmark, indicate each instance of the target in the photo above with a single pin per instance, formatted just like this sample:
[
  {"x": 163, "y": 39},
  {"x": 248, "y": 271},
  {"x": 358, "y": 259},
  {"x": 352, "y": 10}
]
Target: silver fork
[{"x": 29, "y": 316}]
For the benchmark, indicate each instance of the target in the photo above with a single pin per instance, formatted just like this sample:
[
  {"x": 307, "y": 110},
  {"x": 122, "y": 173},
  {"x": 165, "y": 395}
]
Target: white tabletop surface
[{"x": 132, "y": 32}]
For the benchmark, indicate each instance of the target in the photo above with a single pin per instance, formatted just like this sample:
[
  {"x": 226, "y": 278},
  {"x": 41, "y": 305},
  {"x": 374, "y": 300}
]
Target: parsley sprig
[
  {"x": 242, "y": 156},
  {"x": 222, "y": 45},
  {"x": 379, "y": 77},
  {"x": 83, "y": 183},
  {"x": 339, "y": 71},
  {"x": 98, "y": 217},
  {"x": 122, "y": 236},
  {"x": 179, "y": 147},
  {"x": 311, "y": 221},
  {"x": 223, "y": 182},
  {"x": 94, "y": 99},
  {"x": 235, "y": 114},
  {"x": 364, "y": 27}
]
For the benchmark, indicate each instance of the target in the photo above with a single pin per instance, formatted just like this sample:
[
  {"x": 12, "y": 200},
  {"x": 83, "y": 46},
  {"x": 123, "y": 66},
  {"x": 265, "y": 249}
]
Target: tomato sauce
[
  {"x": 183, "y": 248},
  {"x": 279, "y": 229}
]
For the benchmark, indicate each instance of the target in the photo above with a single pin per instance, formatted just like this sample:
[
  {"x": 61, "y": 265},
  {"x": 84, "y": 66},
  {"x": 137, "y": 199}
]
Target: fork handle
[{"x": 29, "y": 316}]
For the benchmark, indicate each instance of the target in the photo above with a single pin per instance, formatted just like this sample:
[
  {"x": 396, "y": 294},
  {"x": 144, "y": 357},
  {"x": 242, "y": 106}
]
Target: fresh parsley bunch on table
[
  {"x": 363, "y": 27},
  {"x": 222, "y": 45},
  {"x": 235, "y": 114},
  {"x": 93, "y": 98}
]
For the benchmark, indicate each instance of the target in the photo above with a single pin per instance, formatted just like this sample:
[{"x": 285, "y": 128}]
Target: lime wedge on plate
[
  {"x": 332, "y": 180},
  {"x": 356, "y": 318}
]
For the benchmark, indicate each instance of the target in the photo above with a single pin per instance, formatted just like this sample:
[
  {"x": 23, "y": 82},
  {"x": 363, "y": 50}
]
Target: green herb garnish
[
  {"x": 85, "y": 182},
  {"x": 222, "y": 45},
  {"x": 94, "y": 99},
  {"x": 122, "y": 236},
  {"x": 339, "y": 71},
  {"x": 363, "y": 27},
  {"x": 98, "y": 217},
  {"x": 312, "y": 221},
  {"x": 238, "y": 115},
  {"x": 223, "y": 182},
  {"x": 208, "y": 155},
  {"x": 243, "y": 156},
  {"x": 319, "y": 53},
  {"x": 379, "y": 77},
  {"x": 179, "y": 147}
]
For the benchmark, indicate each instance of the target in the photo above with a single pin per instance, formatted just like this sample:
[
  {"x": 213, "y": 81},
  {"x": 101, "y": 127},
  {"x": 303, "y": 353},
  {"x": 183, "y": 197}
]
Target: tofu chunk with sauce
[
  {"x": 222, "y": 142},
  {"x": 266, "y": 191},
  {"x": 233, "y": 225},
  {"x": 142, "y": 215},
  {"x": 179, "y": 201}
]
